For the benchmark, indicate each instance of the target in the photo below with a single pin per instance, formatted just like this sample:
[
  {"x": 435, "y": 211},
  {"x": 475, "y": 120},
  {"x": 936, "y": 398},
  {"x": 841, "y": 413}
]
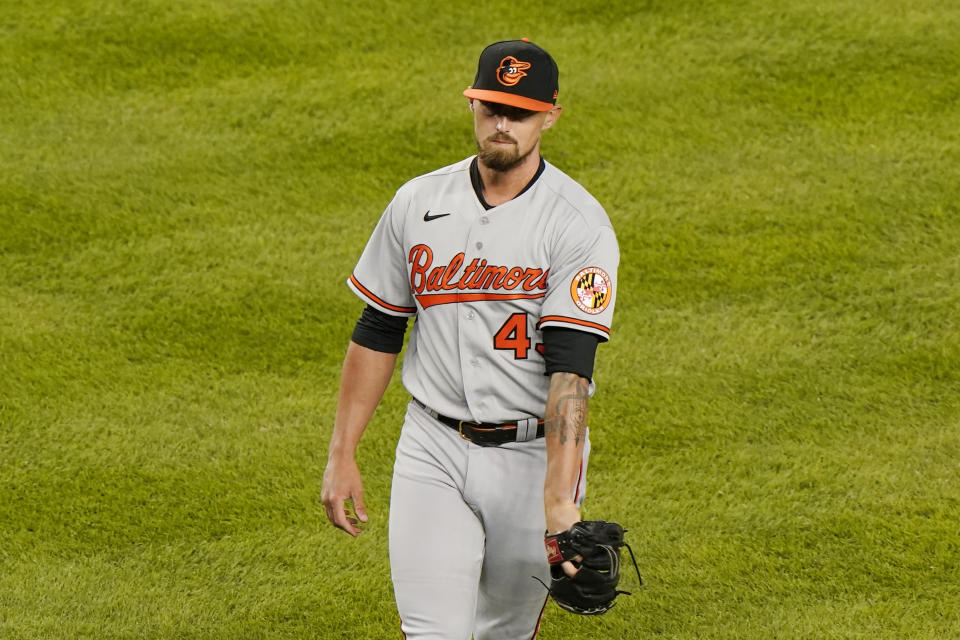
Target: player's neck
[{"x": 503, "y": 186}]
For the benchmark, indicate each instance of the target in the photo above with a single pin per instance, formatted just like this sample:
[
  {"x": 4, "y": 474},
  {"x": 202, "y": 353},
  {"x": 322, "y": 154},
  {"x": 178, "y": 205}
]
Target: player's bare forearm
[
  {"x": 365, "y": 376},
  {"x": 565, "y": 428}
]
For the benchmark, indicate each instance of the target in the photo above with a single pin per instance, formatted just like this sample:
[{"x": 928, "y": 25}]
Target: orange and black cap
[{"x": 517, "y": 73}]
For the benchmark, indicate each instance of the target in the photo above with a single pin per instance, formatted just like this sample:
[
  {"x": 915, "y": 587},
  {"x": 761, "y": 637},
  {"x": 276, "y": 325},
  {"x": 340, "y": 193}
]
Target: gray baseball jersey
[{"x": 484, "y": 283}]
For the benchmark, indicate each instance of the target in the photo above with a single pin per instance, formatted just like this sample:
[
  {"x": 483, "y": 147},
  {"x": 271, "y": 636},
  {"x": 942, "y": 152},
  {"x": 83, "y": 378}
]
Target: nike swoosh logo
[{"x": 427, "y": 217}]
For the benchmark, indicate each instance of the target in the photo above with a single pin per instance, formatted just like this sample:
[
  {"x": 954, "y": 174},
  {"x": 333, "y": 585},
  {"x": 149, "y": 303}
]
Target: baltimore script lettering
[{"x": 477, "y": 275}]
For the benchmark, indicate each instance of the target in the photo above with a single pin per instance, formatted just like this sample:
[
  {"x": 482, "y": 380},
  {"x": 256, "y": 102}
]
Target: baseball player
[{"x": 509, "y": 267}]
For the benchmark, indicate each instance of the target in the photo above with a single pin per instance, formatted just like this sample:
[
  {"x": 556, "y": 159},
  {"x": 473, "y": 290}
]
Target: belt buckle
[{"x": 460, "y": 430}]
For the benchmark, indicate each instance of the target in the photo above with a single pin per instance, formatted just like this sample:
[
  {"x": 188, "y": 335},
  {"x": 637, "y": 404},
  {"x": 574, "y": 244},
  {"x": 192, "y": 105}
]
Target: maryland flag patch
[{"x": 591, "y": 290}]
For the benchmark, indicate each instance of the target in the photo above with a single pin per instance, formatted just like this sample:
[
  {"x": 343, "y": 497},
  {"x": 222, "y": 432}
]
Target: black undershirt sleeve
[
  {"x": 566, "y": 350},
  {"x": 380, "y": 331},
  {"x": 570, "y": 351}
]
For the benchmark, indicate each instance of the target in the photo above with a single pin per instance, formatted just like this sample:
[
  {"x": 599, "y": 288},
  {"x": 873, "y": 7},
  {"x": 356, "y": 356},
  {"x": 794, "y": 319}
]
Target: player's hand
[
  {"x": 342, "y": 492},
  {"x": 561, "y": 517}
]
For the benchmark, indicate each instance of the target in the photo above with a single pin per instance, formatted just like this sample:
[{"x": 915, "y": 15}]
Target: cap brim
[{"x": 501, "y": 97}]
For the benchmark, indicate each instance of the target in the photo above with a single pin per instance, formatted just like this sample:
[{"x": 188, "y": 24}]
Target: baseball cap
[{"x": 517, "y": 73}]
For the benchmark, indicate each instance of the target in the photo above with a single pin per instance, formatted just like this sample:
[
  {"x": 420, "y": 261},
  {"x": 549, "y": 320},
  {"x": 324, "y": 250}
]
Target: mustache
[{"x": 501, "y": 137}]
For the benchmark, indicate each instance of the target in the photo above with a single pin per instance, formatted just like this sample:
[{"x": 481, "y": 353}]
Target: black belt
[{"x": 490, "y": 434}]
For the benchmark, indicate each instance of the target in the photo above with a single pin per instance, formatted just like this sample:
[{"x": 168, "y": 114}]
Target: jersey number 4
[{"x": 512, "y": 336}]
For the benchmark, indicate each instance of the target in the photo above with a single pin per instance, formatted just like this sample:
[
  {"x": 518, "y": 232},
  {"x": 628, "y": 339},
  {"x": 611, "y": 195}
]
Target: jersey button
[
  {"x": 479, "y": 245},
  {"x": 484, "y": 220},
  {"x": 475, "y": 362},
  {"x": 470, "y": 315}
]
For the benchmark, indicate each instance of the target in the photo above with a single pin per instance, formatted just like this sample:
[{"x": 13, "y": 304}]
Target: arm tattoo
[{"x": 566, "y": 416}]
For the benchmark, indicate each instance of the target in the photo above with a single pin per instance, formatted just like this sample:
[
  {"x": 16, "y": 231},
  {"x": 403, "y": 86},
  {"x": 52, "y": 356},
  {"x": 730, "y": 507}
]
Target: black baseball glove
[{"x": 593, "y": 589}]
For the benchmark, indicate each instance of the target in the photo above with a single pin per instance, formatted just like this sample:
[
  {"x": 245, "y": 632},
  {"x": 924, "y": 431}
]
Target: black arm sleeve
[
  {"x": 380, "y": 331},
  {"x": 570, "y": 351}
]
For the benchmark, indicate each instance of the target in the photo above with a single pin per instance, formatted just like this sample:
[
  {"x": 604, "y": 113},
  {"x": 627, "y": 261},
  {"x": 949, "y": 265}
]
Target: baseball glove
[{"x": 593, "y": 589}]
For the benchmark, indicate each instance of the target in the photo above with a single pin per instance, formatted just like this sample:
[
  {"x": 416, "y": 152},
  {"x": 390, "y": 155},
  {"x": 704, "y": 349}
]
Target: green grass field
[{"x": 185, "y": 186}]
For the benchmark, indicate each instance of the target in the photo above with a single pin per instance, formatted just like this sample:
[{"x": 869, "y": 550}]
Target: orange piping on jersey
[
  {"x": 536, "y": 630},
  {"x": 583, "y": 323},
  {"x": 429, "y": 300},
  {"x": 380, "y": 302}
]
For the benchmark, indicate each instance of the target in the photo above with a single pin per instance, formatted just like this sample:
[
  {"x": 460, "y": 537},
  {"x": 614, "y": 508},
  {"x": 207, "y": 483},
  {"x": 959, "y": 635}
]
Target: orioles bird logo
[{"x": 511, "y": 70}]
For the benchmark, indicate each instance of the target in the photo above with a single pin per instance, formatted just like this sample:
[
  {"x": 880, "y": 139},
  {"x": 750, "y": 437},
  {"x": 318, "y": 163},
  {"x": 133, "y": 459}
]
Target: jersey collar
[{"x": 477, "y": 181}]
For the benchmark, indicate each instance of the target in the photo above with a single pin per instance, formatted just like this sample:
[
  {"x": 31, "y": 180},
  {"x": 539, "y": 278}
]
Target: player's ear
[
  {"x": 552, "y": 116},
  {"x": 470, "y": 104}
]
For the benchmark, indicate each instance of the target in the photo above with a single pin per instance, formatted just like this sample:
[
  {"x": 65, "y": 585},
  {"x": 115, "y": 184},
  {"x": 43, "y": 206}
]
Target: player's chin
[{"x": 500, "y": 159}]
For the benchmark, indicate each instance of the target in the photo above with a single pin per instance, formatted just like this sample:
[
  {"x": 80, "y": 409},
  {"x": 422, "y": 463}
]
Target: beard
[{"x": 499, "y": 157}]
